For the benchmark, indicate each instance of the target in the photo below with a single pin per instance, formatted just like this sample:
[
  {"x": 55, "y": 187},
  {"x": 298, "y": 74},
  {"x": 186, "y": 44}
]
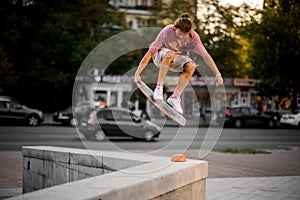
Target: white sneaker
[
  {"x": 158, "y": 94},
  {"x": 175, "y": 103}
]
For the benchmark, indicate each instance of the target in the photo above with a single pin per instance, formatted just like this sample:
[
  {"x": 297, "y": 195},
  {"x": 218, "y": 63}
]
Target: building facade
[
  {"x": 120, "y": 91},
  {"x": 139, "y": 13}
]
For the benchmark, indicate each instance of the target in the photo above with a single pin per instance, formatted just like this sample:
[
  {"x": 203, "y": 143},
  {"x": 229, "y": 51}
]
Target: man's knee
[
  {"x": 169, "y": 57},
  {"x": 190, "y": 67}
]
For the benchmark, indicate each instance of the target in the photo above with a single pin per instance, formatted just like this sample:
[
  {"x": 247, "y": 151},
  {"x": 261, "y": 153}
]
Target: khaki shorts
[{"x": 178, "y": 62}]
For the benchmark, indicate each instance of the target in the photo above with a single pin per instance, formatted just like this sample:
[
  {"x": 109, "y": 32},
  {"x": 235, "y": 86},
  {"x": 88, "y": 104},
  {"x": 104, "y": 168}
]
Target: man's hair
[{"x": 184, "y": 23}]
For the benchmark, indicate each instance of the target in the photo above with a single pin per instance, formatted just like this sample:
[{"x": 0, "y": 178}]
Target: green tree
[
  {"x": 46, "y": 41},
  {"x": 275, "y": 51},
  {"x": 170, "y": 12},
  {"x": 218, "y": 27},
  {"x": 8, "y": 76},
  {"x": 219, "y": 30}
]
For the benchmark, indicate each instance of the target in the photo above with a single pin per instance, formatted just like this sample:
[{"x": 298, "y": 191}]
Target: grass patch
[{"x": 241, "y": 151}]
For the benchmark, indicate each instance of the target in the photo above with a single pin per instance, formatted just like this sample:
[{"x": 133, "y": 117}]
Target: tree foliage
[
  {"x": 44, "y": 43},
  {"x": 218, "y": 27},
  {"x": 275, "y": 51}
]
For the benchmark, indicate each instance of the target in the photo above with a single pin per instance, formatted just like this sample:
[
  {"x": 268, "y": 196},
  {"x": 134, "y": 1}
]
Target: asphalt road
[{"x": 12, "y": 138}]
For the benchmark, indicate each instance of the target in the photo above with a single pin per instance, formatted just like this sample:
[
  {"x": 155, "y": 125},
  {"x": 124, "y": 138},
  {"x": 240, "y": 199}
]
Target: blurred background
[{"x": 256, "y": 46}]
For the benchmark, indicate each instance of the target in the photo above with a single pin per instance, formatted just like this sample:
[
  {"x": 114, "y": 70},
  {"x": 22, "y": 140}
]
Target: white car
[{"x": 292, "y": 118}]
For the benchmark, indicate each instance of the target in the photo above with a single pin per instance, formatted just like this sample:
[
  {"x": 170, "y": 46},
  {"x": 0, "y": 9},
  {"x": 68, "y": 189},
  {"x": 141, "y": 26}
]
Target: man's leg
[
  {"x": 183, "y": 81},
  {"x": 164, "y": 66},
  {"x": 163, "y": 70},
  {"x": 189, "y": 69}
]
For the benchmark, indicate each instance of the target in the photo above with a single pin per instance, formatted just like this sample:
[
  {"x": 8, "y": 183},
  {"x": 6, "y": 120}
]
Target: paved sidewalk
[
  {"x": 261, "y": 188},
  {"x": 9, "y": 192}
]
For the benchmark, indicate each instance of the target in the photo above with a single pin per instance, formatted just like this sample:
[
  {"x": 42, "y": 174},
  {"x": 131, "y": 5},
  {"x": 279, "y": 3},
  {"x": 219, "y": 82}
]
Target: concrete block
[
  {"x": 32, "y": 174},
  {"x": 78, "y": 172},
  {"x": 55, "y": 173},
  {"x": 86, "y": 160},
  {"x": 32, "y": 152},
  {"x": 56, "y": 156},
  {"x": 111, "y": 175},
  {"x": 115, "y": 164},
  {"x": 106, "y": 171},
  {"x": 191, "y": 192}
]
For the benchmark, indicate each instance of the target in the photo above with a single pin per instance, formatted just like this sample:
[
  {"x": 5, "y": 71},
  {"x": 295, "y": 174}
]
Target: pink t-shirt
[{"x": 167, "y": 38}]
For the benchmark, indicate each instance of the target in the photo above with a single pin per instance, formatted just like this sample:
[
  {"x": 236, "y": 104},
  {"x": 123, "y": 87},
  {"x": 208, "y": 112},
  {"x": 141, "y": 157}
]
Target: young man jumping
[{"x": 170, "y": 51}]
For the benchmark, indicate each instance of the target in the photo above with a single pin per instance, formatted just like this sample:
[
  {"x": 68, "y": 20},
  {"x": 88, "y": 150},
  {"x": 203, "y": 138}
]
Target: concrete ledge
[{"x": 128, "y": 176}]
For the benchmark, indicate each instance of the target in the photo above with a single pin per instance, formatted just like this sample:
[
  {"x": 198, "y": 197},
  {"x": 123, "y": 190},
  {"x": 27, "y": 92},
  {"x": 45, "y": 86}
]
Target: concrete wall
[
  {"x": 68, "y": 173},
  {"x": 49, "y": 166}
]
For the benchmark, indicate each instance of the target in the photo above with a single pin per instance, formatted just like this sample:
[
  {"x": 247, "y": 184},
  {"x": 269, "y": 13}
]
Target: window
[
  {"x": 295, "y": 112},
  {"x": 3, "y": 105},
  {"x": 245, "y": 110},
  {"x": 108, "y": 115},
  {"x": 254, "y": 111},
  {"x": 235, "y": 111}
]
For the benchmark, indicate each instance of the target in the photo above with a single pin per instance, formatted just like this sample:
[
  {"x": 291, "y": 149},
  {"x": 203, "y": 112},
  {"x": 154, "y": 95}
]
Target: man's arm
[
  {"x": 211, "y": 64},
  {"x": 144, "y": 62},
  {"x": 200, "y": 50}
]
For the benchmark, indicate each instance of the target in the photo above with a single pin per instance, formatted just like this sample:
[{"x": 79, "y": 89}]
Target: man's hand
[{"x": 219, "y": 80}]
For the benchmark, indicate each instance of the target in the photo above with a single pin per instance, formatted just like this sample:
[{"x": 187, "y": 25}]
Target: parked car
[
  {"x": 65, "y": 117},
  {"x": 291, "y": 119},
  {"x": 240, "y": 116},
  {"x": 275, "y": 113},
  {"x": 117, "y": 123},
  {"x": 13, "y": 112}
]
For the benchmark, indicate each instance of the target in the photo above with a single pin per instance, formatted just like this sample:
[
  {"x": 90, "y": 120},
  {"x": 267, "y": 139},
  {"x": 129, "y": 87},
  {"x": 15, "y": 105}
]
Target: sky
[{"x": 254, "y": 3}]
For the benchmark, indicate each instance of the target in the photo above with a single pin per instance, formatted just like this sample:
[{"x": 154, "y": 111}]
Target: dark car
[
  {"x": 82, "y": 110},
  {"x": 240, "y": 116},
  {"x": 13, "y": 112},
  {"x": 65, "y": 117},
  {"x": 117, "y": 123}
]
